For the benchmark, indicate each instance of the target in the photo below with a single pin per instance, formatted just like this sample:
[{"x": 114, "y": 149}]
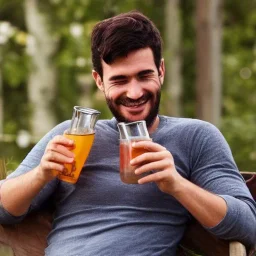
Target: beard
[{"x": 150, "y": 118}]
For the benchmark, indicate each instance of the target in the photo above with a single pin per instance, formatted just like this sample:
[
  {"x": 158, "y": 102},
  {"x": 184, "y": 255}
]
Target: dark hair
[{"x": 117, "y": 36}]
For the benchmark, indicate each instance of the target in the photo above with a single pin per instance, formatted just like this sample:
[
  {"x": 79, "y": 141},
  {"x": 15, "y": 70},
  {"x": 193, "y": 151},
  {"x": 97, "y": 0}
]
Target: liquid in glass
[
  {"x": 83, "y": 144},
  {"x": 127, "y": 153}
]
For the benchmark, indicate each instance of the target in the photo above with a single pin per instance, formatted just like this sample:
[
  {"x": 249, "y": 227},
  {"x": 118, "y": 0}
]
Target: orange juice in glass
[
  {"x": 82, "y": 132},
  {"x": 83, "y": 144},
  {"x": 130, "y": 132}
]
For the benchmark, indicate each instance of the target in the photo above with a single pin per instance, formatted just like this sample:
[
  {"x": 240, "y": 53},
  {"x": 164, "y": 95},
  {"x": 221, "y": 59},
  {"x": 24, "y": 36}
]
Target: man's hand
[
  {"x": 160, "y": 163},
  {"x": 17, "y": 193},
  {"x": 57, "y": 153}
]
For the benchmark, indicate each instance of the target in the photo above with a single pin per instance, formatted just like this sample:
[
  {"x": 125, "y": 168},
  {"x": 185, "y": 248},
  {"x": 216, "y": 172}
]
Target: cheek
[
  {"x": 158, "y": 83},
  {"x": 114, "y": 93},
  {"x": 153, "y": 85}
]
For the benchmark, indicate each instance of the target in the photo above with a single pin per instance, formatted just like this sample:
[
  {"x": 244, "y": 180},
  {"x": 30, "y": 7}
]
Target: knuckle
[
  {"x": 167, "y": 153},
  {"x": 157, "y": 175},
  {"x": 54, "y": 146},
  {"x": 57, "y": 138},
  {"x": 49, "y": 156},
  {"x": 48, "y": 166},
  {"x": 50, "y": 146},
  {"x": 168, "y": 162},
  {"x": 44, "y": 166},
  {"x": 52, "y": 156}
]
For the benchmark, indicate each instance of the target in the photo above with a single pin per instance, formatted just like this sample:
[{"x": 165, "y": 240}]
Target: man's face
[{"x": 132, "y": 86}]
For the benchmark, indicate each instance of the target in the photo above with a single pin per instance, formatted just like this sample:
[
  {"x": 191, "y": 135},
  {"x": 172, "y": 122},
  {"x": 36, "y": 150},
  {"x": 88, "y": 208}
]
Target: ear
[
  {"x": 98, "y": 80},
  {"x": 162, "y": 71}
]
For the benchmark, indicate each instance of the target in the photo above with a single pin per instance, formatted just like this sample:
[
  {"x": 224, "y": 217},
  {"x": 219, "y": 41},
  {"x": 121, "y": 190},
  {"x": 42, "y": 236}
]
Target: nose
[{"x": 134, "y": 90}]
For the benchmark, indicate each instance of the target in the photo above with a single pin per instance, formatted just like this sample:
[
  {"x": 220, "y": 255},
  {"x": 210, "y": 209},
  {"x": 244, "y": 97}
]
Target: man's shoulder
[
  {"x": 188, "y": 127},
  {"x": 188, "y": 123},
  {"x": 63, "y": 125},
  {"x": 59, "y": 128}
]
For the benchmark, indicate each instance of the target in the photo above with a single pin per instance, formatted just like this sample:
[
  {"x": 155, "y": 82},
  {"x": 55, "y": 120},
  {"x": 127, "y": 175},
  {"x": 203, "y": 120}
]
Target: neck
[{"x": 154, "y": 126}]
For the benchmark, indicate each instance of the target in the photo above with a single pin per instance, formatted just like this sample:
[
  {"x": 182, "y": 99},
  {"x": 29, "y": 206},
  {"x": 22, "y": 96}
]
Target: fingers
[
  {"x": 59, "y": 157},
  {"x": 46, "y": 165},
  {"x": 59, "y": 145},
  {"x": 148, "y": 145},
  {"x": 157, "y": 166},
  {"x": 153, "y": 177},
  {"x": 151, "y": 157},
  {"x": 60, "y": 142},
  {"x": 157, "y": 159},
  {"x": 156, "y": 153},
  {"x": 57, "y": 153}
]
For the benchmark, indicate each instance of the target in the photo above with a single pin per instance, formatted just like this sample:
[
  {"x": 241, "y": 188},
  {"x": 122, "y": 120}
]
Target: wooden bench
[{"x": 29, "y": 236}]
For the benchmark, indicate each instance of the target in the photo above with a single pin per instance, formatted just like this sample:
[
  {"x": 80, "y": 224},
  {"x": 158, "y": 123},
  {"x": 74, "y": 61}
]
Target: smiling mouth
[
  {"x": 135, "y": 105},
  {"x": 131, "y": 103}
]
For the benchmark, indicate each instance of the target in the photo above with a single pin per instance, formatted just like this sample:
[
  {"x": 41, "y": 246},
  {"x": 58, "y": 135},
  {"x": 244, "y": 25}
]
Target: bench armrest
[
  {"x": 237, "y": 249},
  {"x": 198, "y": 240},
  {"x": 27, "y": 237}
]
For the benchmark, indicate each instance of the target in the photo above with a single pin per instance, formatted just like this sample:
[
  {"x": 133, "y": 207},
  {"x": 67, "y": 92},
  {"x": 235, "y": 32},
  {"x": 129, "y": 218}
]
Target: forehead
[{"x": 134, "y": 62}]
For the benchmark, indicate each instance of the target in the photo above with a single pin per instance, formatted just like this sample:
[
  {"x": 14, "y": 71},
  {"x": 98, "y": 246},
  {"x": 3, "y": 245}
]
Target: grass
[
  {"x": 2, "y": 169},
  {"x": 4, "y": 250}
]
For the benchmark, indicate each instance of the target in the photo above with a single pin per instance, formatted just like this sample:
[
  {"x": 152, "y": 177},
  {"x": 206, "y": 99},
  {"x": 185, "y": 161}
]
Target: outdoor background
[{"x": 45, "y": 66}]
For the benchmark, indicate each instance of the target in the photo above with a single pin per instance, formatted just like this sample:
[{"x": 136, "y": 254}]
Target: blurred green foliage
[
  {"x": 73, "y": 59},
  {"x": 239, "y": 77}
]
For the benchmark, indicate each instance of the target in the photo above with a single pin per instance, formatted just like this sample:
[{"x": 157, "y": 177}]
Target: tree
[
  {"x": 173, "y": 58},
  {"x": 239, "y": 76},
  {"x": 6, "y": 33},
  {"x": 1, "y": 97},
  {"x": 42, "y": 80},
  {"x": 208, "y": 61}
]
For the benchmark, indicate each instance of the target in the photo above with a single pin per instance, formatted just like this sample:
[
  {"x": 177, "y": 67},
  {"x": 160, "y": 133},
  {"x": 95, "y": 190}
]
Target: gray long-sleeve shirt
[{"x": 100, "y": 215}]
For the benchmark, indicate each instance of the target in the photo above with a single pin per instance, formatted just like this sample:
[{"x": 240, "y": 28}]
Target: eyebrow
[
  {"x": 141, "y": 73},
  {"x": 145, "y": 72},
  {"x": 118, "y": 77}
]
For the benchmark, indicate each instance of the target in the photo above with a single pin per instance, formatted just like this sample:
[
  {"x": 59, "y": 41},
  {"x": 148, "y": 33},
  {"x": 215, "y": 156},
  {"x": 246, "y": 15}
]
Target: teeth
[{"x": 135, "y": 105}]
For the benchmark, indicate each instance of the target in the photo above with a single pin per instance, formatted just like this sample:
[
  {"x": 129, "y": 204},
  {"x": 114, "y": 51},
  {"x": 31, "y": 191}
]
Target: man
[{"x": 194, "y": 171}]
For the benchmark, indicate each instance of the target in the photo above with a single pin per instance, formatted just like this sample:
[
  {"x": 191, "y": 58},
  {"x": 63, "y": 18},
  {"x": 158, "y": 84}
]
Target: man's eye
[
  {"x": 144, "y": 77},
  {"x": 119, "y": 82}
]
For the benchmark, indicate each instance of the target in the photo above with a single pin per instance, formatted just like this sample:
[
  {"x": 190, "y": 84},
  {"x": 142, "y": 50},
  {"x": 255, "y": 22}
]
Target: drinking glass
[
  {"x": 82, "y": 132},
  {"x": 130, "y": 132}
]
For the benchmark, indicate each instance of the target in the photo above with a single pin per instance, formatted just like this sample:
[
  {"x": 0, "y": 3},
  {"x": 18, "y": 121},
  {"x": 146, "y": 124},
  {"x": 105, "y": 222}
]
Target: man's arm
[
  {"x": 223, "y": 214},
  {"x": 207, "y": 208},
  {"x": 17, "y": 193}
]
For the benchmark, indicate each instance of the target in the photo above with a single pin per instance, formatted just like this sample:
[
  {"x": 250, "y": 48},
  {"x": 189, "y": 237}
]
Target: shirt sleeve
[
  {"x": 213, "y": 168},
  {"x": 30, "y": 162}
]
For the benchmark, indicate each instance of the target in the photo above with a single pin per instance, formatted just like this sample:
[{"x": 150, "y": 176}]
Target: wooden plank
[{"x": 236, "y": 249}]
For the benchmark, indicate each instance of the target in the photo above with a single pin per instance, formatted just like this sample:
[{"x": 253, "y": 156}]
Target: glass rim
[
  {"x": 86, "y": 110},
  {"x": 138, "y": 137},
  {"x": 131, "y": 123}
]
